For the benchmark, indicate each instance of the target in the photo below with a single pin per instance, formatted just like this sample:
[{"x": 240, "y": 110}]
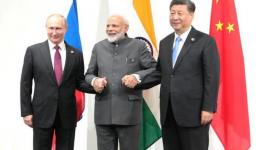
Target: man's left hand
[
  {"x": 129, "y": 81},
  {"x": 206, "y": 117}
]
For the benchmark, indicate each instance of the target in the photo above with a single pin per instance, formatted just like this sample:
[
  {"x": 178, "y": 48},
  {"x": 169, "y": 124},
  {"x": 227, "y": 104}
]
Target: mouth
[
  {"x": 111, "y": 34},
  {"x": 176, "y": 22}
]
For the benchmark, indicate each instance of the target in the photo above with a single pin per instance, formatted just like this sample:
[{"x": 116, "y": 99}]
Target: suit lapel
[
  {"x": 70, "y": 53},
  {"x": 186, "y": 47},
  {"x": 47, "y": 60},
  {"x": 168, "y": 48}
]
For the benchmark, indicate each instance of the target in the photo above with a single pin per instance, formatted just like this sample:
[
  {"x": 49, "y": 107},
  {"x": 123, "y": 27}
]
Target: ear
[
  {"x": 126, "y": 28},
  {"x": 192, "y": 14}
]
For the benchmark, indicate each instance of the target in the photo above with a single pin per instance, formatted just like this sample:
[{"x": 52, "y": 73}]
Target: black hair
[{"x": 189, "y": 3}]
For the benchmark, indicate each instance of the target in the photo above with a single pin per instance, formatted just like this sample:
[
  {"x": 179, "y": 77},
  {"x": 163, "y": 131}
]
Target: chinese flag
[{"x": 231, "y": 122}]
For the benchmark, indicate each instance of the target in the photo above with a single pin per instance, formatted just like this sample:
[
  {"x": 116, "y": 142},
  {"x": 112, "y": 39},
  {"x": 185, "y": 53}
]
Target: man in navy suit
[
  {"x": 188, "y": 67},
  {"x": 57, "y": 70}
]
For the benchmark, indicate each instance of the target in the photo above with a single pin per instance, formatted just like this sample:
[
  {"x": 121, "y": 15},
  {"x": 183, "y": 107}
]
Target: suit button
[{"x": 171, "y": 76}]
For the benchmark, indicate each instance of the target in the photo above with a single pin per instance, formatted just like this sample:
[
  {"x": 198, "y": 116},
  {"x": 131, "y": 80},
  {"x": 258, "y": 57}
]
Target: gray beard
[{"x": 115, "y": 38}]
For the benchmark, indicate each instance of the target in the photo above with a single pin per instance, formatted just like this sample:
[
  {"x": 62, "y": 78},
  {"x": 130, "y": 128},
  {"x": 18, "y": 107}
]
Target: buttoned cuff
[
  {"x": 137, "y": 77},
  {"x": 92, "y": 82}
]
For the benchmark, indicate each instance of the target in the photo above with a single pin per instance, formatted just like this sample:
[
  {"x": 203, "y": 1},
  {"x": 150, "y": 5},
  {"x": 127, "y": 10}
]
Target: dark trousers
[
  {"x": 42, "y": 137},
  {"x": 109, "y": 135},
  {"x": 176, "y": 137}
]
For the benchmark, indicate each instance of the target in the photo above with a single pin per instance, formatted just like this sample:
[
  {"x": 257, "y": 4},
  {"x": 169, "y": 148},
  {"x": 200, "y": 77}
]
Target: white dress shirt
[{"x": 183, "y": 38}]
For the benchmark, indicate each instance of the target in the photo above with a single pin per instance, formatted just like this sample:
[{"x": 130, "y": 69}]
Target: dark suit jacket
[
  {"x": 118, "y": 104},
  {"x": 49, "y": 98},
  {"x": 192, "y": 85}
]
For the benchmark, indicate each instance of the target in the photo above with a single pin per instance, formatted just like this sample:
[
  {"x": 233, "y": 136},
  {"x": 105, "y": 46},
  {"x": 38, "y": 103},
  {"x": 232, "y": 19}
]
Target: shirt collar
[
  {"x": 184, "y": 35},
  {"x": 52, "y": 45}
]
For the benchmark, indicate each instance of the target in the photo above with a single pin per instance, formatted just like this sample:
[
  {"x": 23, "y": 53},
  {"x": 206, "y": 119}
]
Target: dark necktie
[
  {"x": 57, "y": 64},
  {"x": 175, "y": 49}
]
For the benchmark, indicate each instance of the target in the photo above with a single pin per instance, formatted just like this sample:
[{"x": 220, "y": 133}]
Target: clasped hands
[{"x": 129, "y": 81}]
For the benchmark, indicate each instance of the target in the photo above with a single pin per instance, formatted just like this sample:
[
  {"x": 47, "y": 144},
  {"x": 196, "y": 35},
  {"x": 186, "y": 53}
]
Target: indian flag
[{"x": 150, "y": 131}]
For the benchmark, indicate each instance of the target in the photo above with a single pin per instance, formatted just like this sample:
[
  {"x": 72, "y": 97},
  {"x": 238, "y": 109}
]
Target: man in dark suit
[
  {"x": 188, "y": 64},
  {"x": 189, "y": 85},
  {"x": 117, "y": 64},
  {"x": 57, "y": 70}
]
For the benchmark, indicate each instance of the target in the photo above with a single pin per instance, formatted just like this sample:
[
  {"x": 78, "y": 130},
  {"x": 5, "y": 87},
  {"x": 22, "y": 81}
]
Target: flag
[
  {"x": 72, "y": 37},
  {"x": 231, "y": 122},
  {"x": 150, "y": 130}
]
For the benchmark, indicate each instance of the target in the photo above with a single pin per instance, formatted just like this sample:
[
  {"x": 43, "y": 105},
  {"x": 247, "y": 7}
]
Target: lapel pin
[
  {"x": 72, "y": 52},
  {"x": 192, "y": 39}
]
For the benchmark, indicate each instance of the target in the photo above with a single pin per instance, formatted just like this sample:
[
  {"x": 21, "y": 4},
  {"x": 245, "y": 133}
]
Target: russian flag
[{"x": 72, "y": 37}]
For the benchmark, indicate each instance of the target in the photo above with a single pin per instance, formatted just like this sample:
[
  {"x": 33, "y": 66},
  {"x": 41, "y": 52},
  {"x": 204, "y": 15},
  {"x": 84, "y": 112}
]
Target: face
[
  {"x": 180, "y": 18},
  {"x": 116, "y": 28},
  {"x": 56, "y": 29}
]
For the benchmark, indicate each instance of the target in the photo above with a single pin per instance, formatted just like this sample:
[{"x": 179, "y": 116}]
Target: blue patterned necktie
[{"x": 175, "y": 49}]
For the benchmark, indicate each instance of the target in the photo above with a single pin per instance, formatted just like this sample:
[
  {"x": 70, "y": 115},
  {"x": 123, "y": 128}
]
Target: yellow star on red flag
[
  {"x": 230, "y": 27},
  {"x": 219, "y": 26}
]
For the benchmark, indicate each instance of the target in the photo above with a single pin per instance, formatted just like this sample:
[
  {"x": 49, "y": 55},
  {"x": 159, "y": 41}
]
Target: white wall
[{"x": 22, "y": 24}]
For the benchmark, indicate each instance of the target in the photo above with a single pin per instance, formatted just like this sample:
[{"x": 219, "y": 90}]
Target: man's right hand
[
  {"x": 28, "y": 120},
  {"x": 99, "y": 84}
]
